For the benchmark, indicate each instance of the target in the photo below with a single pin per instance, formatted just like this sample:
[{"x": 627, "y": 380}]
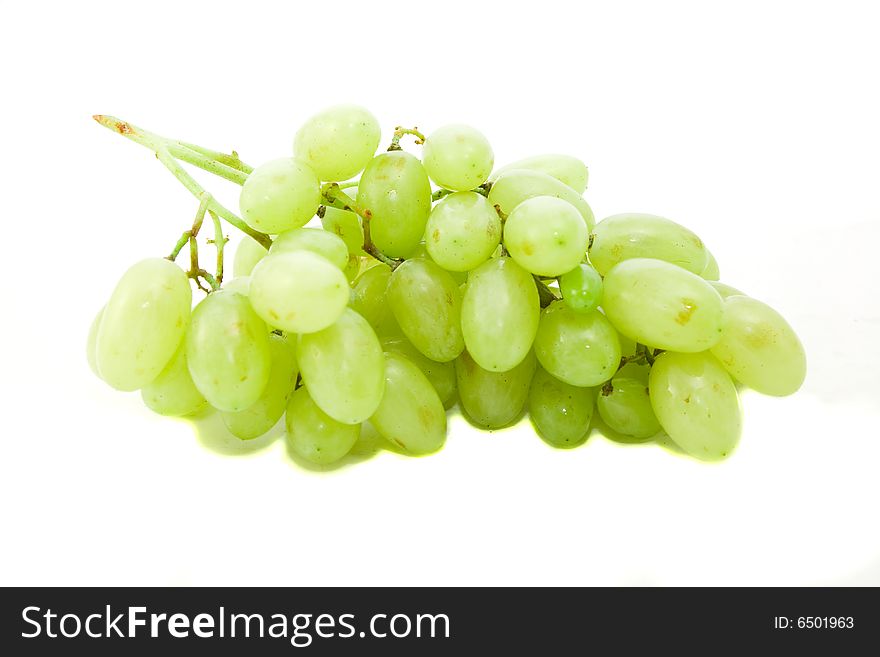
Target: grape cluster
[{"x": 499, "y": 292}]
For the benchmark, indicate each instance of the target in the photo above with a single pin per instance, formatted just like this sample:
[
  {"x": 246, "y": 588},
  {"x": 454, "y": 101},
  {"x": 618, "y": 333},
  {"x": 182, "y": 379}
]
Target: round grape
[
  {"x": 458, "y": 157},
  {"x": 280, "y": 195},
  {"x": 546, "y": 236}
]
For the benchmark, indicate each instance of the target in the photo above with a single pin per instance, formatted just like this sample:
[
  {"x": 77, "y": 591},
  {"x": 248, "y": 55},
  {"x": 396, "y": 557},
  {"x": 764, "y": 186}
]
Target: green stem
[
  {"x": 206, "y": 163},
  {"x": 229, "y": 159},
  {"x": 219, "y": 242},
  {"x": 545, "y": 294},
  {"x": 349, "y": 184},
  {"x": 399, "y": 132}
]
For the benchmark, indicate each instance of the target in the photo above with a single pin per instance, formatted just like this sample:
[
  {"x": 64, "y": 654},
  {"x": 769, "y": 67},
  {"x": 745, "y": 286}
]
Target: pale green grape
[
  {"x": 463, "y": 231},
  {"x": 92, "y": 344},
  {"x": 299, "y": 291},
  {"x": 581, "y": 288},
  {"x": 662, "y": 305},
  {"x": 395, "y": 189},
  {"x": 696, "y": 403},
  {"x": 343, "y": 368},
  {"x": 560, "y": 412},
  {"x": 579, "y": 348},
  {"x": 517, "y": 185},
  {"x": 247, "y": 255},
  {"x": 565, "y": 168},
  {"x": 427, "y": 306},
  {"x": 352, "y": 267},
  {"x": 625, "y": 405},
  {"x": 759, "y": 348},
  {"x": 725, "y": 290},
  {"x": 458, "y": 157},
  {"x": 421, "y": 251},
  {"x": 546, "y": 236},
  {"x": 410, "y": 415},
  {"x": 280, "y": 195},
  {"x": 316, "y": 240},
  {"x": 441, "y": 375},
  {"x": 493, "y": 399},
  {"x": 143, "y": 323},
  {"x": 227, "y": 349},
  {"x": 173, "y": 391},
  {"x": 710, "y": 271},
  {"x": 633, "y": 235},
  {"x": 346, "y": 225},
  {"x": 314, "y": 435},
  {"x": 241, "y": 284},
  {"x": 338, "y": 142},
  {"x": 499, "y": 314},
  {"x": 370, "y": 301},
  {"x": 262, "y": 415}
]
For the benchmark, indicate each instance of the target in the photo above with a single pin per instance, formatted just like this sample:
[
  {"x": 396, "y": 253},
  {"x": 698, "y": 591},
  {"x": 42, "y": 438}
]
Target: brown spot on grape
[
  {"x": 528, "y": 248},
  {"x": 274, "y": 315},
  {"x": 449, "y": 298},
  {"x": 244, "y": 378},
  {"x": 760, "y": 336},
  {"x": 436, "y": 235},
  {"x": 687, "y": 400},
  {"x": 689, "y": 306},
  {"x": 426, "y": 416}
]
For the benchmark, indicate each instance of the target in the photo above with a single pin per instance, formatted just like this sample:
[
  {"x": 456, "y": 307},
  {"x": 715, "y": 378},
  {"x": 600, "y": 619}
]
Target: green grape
[
  {"x": 759, "y": 348},
  {"x": 173, "y": 391},
  {"x": 343, "y": 368},
  {"x": 463, "y": 231},
  {"x": 298, "y": 291},
  {"x": 370, "y": 301},
  {"x": 581, "y": 288},
  {"x": 394, "y": 188},
  {"x": 696, "y": 403},
  {"x": 421, "y": 251},
  {"x": 493, "y": 399},
  {"x": 725, "y": 290},
  {"x": 565, "y": 168},
  {"x": 625, "y": 405},
  {"x": 560, "y": 412},
  {"x": 227, "y": 349},
  {"x": 314, "y": 435},
  {"x": 262, "y": 415},
  {"x": 92, "y": 344},
  {"x": 345, "y": 225},
  {"x": 662, "y": 305},
  {"x": 352, "y": 267},
  {"x": 441, "y": 375},
  {"x": 499, "y": 314},
  {"x": 517, "y": 185},
  {"x": 316, "y": 240},
  {"x": 280, "y": 195},
  {"x": 410, "y": 415},
  {"x": 241, "y": 284},
  {"x": 710, "y": 271},
  {"x": 579, "y": 348},
  {"x": 633, "y": 235},
  {"x": 338, "y": 142},
  {"x": 427, "y": 306},
  {"x": 143, "y": 323},
  {"x": 627, "y": 345},
  {"x": 546, "y": 236},
  {"x": 458, "y": 157},
  {"x": 247, "y": 255}
]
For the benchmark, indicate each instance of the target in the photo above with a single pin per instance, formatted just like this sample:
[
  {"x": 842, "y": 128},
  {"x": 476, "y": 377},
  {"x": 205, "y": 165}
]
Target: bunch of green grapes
[{"x": 426, "y": 283}]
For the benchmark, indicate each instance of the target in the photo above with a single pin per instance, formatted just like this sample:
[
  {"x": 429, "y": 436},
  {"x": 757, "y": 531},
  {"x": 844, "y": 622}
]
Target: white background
[{"x": 757, "y": 125}]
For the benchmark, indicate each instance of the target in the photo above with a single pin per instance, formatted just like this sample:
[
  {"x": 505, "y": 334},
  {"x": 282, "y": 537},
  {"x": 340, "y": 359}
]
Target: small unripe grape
[{"x": 581, "y": 288}]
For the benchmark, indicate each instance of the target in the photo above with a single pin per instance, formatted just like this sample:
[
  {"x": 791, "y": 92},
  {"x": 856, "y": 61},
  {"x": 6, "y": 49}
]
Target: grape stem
[
  {"x": 642, "y": 355},
  {"x": 545, "y": 294},
  {"x": 483, "y": 190},
  {"x": 399, "y": 132}
]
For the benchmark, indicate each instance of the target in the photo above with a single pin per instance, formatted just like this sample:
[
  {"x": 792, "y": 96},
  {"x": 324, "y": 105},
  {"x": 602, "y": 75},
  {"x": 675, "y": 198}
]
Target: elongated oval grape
[
  {"x": 579, "y": 348},
  {"x": 343, "y": 368},
  {"x": 565, "y": 168},
  {"x": 546, "y": 236},
  {"x": 499, "y": 314},
  {"x": 316, "y": 240},
  {"x": 143, "y": 323},
  {"x": 314, "y": 435},
  {"x": 662, "y": 305},
  {"x": 634, "y": 235},
  {"x": 92, "y": 344},
  {"x": 759, "y": 348},
  {"x": 394, "y": 188},
  {"x": 625, "y": 405},
  {"x": 279, "y": 195},
  {"x": 725, "y": 290},
  {"x": 298, "y": 291},
  {"x": 710, "y": 271},
  {"x": 369, "y": 299},
  {"x": 338, "y": 142},
  {"x": 426, "y": 303},
  {"x": 493, "y": 399},
  {"x": 581, "y": 288},
  {"x": 560, "y": 412},
  {"x": 696, "y": 403},
  {"x": 263, "y": 414},
  {"x": 248, "y": 253},
  {"x": 458, "y": 157},
  {"x": 441, "y": 375},
  {"x": 345, "y": 225},
  {"x": 463, "y": 231},
  {"x": 515, "y": 186},
  {"x": 173, "y": 391},
  {"x": 410, "y": 414},
  {"x": 227, "y": 350}
]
